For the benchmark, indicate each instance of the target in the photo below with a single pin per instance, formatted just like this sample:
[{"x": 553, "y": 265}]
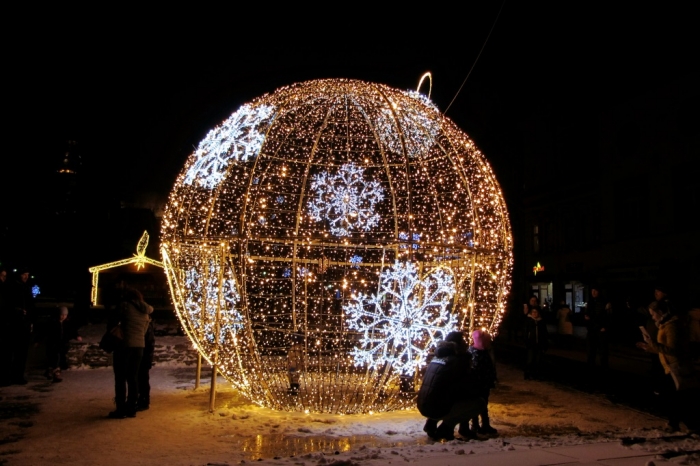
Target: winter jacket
[
  {"x": 59, "y": 334},
  {"x": 443, "y": 381},
  {"x": 694, "y": 325},
  {"x": 536, "y": 335},
  {"x": 483, "y": 369},
  {"x": 564, "y": 324},
  {"x": 134, "y": 317},
  {"x": 598, "y": 317},
  {"x": 672, "y": 346}
]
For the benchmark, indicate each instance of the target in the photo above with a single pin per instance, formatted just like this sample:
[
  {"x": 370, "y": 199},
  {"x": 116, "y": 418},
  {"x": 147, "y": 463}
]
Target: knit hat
[
  {"x": 456, "y": 337},
  {"x": 482, "y": 339}
]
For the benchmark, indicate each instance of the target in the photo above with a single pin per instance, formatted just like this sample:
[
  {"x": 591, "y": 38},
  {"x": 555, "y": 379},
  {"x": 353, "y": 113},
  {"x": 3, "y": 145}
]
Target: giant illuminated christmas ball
[{"x": 321, "y": 240}]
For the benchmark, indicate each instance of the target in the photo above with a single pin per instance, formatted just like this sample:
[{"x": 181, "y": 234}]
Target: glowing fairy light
[
  {"x": 345, "y": 199},
  {"x": 348, "y": 219},
  {"x": 205, "y": 292},
  {"x": 404, "y": 319},
  {"x": 419, "y": 129}
]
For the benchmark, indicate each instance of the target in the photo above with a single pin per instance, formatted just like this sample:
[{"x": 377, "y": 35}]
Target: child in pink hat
[{"x": 484, "y": 370}]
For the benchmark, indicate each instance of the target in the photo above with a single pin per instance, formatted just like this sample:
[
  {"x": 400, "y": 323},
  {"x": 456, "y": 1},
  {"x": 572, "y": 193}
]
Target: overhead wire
[{"x": 477, "y": 57}]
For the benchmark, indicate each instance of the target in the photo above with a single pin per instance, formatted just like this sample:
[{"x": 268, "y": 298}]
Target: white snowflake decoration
[
  {"x": 236, "y": 139},
  {"x": 203, "y": 291},
  {"x": 419, "y": 130},
  {"x": 356, "y": 261},
  {"x": 404, "y": 237},
  {"x": 345, "y": 199},
  {"x": 404, "y": 319}
]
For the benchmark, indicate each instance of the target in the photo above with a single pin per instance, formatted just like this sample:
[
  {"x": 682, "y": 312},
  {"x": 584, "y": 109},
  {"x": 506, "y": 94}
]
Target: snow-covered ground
[{"x": 538, "y": 423}]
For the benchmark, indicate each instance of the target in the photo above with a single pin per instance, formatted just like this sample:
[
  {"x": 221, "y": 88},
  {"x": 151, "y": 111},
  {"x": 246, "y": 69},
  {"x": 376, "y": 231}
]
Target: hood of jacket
[{"x": 445, "y": 348}]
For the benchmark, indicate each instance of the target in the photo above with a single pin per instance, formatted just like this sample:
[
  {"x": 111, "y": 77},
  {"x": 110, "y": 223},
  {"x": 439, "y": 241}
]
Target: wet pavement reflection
[{"x": 280, "y": 445}]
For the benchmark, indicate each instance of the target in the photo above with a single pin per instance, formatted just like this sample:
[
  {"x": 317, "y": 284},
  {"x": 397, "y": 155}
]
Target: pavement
[
  {"x": 629, "y": 379},
  {"x": 626, "y": 382},
  {"x": 596, "y": 453}
]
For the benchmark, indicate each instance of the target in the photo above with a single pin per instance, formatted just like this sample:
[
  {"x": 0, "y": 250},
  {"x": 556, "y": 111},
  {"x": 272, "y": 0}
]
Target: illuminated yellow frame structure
[{"x": 139, "y": 259}]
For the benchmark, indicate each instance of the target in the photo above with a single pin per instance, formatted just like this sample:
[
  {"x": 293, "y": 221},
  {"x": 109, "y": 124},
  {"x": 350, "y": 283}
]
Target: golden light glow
[
  {"x": 321, "y": 198},
  {"x": 139, "y": 259},
  {"x": 422, "y": 78}
]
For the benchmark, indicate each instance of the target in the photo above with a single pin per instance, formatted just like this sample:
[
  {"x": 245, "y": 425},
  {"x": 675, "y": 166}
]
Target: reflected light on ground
[{"x": 280, "y": 445}]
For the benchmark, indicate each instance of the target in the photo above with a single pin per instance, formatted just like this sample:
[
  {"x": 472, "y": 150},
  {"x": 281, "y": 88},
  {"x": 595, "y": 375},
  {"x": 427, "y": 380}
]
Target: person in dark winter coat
[
  {"x": 6, "y": 350},
  {"x": 484, "y": 372},
  {"x": 19, "y": 319},
  {"x": 58, "y": 335},
  {"x": 133, "y": 315},
  {"x": 682, "y": 391},
  {"x": 598, "y": 320},
  {"x": 447, "y": 392},
  {"x": 536, "y": 343},
  {"x": 144, "y": 400}
]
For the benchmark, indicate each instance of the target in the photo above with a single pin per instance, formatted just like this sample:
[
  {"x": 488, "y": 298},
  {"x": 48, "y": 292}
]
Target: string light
[
  {"x": 139, "y": 260},
  {"x": 347, "y": 217}
]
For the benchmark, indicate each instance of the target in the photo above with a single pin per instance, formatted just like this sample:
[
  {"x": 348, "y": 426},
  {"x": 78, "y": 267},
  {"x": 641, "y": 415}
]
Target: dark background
[{"x": 137, "y": 90}]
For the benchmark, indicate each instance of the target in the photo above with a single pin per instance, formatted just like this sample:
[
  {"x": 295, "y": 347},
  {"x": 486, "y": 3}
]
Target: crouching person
[{"x": 444, "y": 394}]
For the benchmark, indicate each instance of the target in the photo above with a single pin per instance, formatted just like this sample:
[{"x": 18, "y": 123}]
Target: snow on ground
[{"x": 538, "y": 423}]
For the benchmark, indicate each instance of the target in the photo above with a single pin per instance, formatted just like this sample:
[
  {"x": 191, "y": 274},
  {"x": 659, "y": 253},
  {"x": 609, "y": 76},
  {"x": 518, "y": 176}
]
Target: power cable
[{"x": 477, "y": 58}]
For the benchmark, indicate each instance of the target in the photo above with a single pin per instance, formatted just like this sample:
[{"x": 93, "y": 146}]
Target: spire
[{"x": 70, "y": 164}]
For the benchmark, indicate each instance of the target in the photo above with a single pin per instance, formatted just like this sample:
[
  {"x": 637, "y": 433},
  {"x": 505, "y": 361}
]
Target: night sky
[{"x": 138, "y": 90}]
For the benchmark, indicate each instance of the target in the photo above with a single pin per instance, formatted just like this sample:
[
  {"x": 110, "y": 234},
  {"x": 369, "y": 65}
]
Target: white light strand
[{"x": 202, "y": 285}]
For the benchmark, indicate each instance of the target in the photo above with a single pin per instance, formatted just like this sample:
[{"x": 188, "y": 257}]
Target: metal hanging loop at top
[{"x": 422, "y": 78}]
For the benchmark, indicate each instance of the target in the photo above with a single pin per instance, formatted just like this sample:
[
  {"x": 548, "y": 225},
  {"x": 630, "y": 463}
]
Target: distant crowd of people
[
  {"x": 17, "y": 311},
  {"x": 132, "y": 357},
  {"x": 458, "y": 379},
  {"x": 670, "y": 333}
]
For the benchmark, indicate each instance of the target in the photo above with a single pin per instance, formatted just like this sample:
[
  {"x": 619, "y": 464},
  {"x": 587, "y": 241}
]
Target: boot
[
  {"x": 444, "y": 432},
  {"x": 119, "y": 413},
  {"x": 430, "y": 427},
  {"x": 486, "y": 428},
  {"x": 131, "y": 408},
  {"x": 143, "y": 404},
  {"x": 466, "y": 433}
]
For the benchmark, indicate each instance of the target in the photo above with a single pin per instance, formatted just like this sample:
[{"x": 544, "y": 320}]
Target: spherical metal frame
[{"x": 309, "y": 217}]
